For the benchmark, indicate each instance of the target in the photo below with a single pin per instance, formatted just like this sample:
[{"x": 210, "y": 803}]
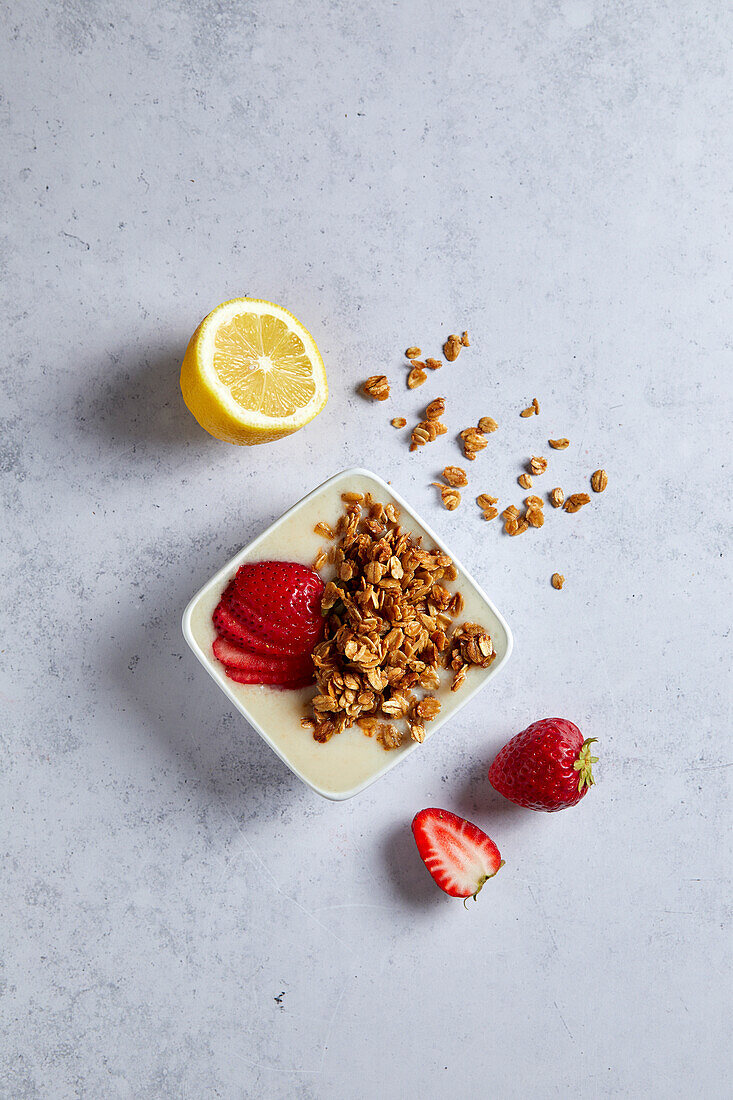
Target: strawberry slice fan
[{"x": 268, "y": 621}]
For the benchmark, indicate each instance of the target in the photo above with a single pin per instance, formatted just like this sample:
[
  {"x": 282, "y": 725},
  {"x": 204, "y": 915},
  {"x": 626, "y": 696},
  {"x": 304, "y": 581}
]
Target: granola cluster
[
  {"x": 428, "y": 430},
  {"x": 389, "y": 619}
]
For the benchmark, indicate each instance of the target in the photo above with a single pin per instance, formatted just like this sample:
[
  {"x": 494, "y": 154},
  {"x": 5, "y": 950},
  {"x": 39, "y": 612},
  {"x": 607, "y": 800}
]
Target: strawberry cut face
[
  {"x": 268, "y": 621},
  {"x": 459, "y": 856}
]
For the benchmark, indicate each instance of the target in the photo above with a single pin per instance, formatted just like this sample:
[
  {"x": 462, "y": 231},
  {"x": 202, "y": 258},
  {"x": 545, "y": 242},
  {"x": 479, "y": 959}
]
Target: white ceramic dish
[{"x": 349, "y": 762}]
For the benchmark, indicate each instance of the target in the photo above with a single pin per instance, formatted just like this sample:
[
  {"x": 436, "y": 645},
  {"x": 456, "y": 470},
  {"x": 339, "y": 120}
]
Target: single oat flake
[
  {"x": 557, "y": 580},
  {"x": 413, "y": 353},
  {"x": 452, "y": 347},
  {"x": 559, "y": 444},
  {"x": 599, "y": 481},
  {"x": 433, "y": 364},
  {"x": 575, "y": 502},
  {"x": 557, "y": 497},
  {"x": 487, "y": 424},
  {"x": 398, "y": 422},
  {"x": 537, "y": 465},
  {"x": 525, "y": 481},
  {"x": 435, "y": 409},
  {"x": 416, "y": 377}
]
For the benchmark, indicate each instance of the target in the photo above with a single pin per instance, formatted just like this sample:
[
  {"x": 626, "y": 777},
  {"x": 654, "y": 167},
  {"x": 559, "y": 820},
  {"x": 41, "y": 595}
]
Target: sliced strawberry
[
  {"x": 242, "y": 676},
  {"x": 279, "y": 601},
  {"x": 459, "y": 855},
  {"x": 229, "y": 626},
  {"x": 286, "y": 668}
]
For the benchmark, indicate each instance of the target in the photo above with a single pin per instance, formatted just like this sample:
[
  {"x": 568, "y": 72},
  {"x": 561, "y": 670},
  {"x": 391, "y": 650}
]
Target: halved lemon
[{"x": 252, "y": 373}]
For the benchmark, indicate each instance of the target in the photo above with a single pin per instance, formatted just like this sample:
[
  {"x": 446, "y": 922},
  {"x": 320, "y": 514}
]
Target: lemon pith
[{"x": 252, "y": 373}]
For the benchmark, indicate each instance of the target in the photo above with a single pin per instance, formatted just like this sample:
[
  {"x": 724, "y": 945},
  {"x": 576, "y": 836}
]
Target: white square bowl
[{"x": 349, "y": 762}]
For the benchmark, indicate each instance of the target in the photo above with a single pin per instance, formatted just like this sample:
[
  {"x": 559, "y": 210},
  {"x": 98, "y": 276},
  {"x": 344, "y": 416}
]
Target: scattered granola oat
[
  {"x": 420, "y": 436},
  {"x": 376, "y": 387},
  {"x": 559, "y": 444},
  {"x": 487, "y": 424},
  {"x": 428, "y": 708},
  {"x": 557, "y": 497},
  {"x": 537, "y": 465},
  {"x": 450, "y": 496},
  {"x": 427, "y": 431},
  {"x": 388, "y": 736},
  {"x": 473, "y": 442},
  {"x": 527, "y": 412},
  {"x": 491, "y": 513},
  {"x": 452, "y": 347},
  {"x": 470, "y": 645},
  {"x": 557, "y": 580},
  {"x": 324, "y": 529},
  {"x": 320, "y": 560},
  {"x": 398, "y": 422},
  {"x": 536, "y": 406},
  {"x": 435, "y": 409},
  {"x": 535, "y": 517},
  {"x": 413, "y": 353},
  {"x": 387, "y": 624},
  {"x": 417, "y": 732},
  {"x": 599, "y": 481},
  {"x": 534, "y": 502},
  {"x": 485, "y": 501},
  {"x": 525, "y": 481},
  {"x": 434, "y": 364},
  {"x": 416, "y": 377},
  {"x": 455, "y": 476},
  {"x": 575, "y": 502},
  {"x": 465, "y": 341}
]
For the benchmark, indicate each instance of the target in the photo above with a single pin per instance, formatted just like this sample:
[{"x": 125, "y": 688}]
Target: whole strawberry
[{"x": 545, "y": 767}]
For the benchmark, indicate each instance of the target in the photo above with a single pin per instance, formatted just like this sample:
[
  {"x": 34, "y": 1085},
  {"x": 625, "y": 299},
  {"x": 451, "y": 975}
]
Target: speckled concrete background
[{"x": 181, "y": 917}]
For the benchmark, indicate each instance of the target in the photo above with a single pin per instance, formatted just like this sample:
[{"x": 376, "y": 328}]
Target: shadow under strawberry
[
  {"x": 476, "y": 800},
  {"x": 408, "y": 876}
]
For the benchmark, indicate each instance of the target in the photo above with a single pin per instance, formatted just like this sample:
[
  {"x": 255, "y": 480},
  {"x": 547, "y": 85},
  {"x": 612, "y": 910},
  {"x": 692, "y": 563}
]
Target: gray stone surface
[{"x": 180, "y": 916}]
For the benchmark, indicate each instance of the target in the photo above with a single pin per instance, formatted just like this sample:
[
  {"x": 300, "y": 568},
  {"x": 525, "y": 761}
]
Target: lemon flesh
[{"x": 252, "y": 373}]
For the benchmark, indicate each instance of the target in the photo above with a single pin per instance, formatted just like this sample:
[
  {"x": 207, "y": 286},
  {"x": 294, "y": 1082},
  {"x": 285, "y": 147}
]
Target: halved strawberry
[
  {"x": 459, "y": 855},
  {"x": 285, "y": 668}
]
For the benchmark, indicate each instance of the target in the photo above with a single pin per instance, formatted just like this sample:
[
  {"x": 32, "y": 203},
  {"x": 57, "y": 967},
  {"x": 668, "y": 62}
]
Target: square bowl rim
[{"x": 225, "y": 571}]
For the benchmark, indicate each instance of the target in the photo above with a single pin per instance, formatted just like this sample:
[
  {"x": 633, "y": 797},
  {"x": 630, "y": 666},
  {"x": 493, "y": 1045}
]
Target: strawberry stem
[
  {"x": 584, "y": 764},
  {"x": 481, "y": 882}
]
